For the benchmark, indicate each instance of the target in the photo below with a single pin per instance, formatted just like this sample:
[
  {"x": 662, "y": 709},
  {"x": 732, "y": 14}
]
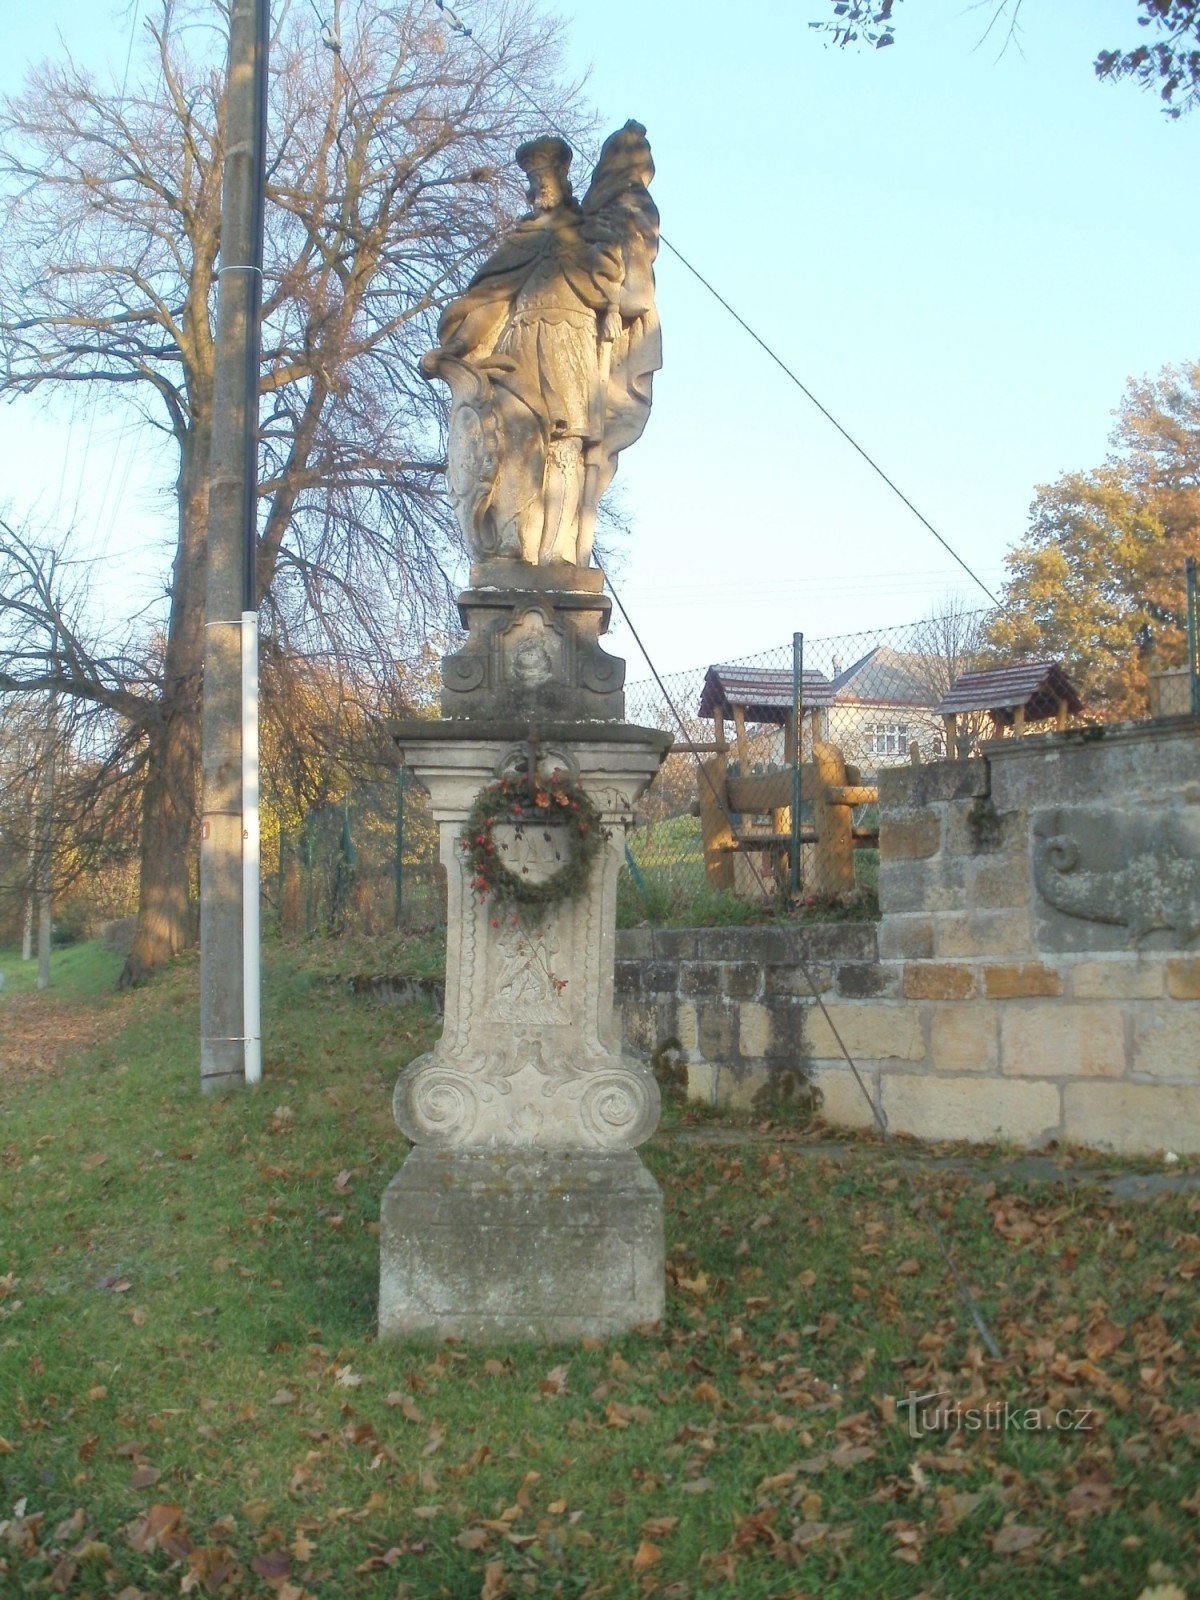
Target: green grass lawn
[
  {"x": 192, "y": 1399},
  {"x": 77, "y": 971}
]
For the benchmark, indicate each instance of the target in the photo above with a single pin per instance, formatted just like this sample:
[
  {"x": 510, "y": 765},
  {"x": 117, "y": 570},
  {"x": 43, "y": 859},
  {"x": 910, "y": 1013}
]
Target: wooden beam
[
  {"x": 743, "y": 748},
  {"x": 852, "y": 794},
  {"x": 714, "y": 823},
  {"x": 951, "y": 722}
]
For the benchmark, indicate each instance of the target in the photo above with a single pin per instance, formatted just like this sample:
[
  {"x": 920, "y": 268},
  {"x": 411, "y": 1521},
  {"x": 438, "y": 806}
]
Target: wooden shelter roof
[
  {"x": 763, "y": 693},
  {"x": 1038, "y": 686}
]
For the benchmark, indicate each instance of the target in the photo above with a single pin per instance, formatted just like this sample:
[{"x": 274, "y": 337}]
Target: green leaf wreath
[{"x": 556, "y": 804}]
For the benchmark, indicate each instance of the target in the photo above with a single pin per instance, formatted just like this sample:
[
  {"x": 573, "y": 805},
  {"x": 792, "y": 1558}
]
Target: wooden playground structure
[{"x": 730, "y": 804}]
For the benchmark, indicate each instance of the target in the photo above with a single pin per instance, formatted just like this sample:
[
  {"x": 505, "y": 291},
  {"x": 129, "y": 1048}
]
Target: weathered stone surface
[
  {"x": 627, "y": 979},
  {"x": 1183, "y": 978},
  {"x": 836, "y": 941},
  {"x": 687, "y": 1026},
  {"x": 522, "y": 1213},
  {"x": 1117, "y": 876},
  {"x": 933, "y": 885},
  {"x": 909, "y": 836},
  {"x": 869, "y": 980},
  {"x": 980, "y": 830},
  {"x": 699, "y": 979},
  {"x": 993, "y": 934},
  {"x": 532, "y": 650},
  {"x": 938, "y": 980},
  {"x": 939, "y": 884},
  {"x": 1133, "y": 1118},
  {"x": 878, "y": 1031},
  {"x": 1118, "y": 979},
  {"x": 741, "y": 980},
  {"x": 964, "y": 1038},
  {"x": 1166, "y": 1043},
  {"x": 718, "y": 1031},
  {"x": 746, "y": 944},
  {"x": 843, "y": 1103},
  {"x": 754, "y": 1030},
  {"x": 979, "y": 1110},
  {"x": 635, "y": 944},
  {"x": 906, "y": 938},
  {"x": 659, "y": 977},
  {"x": 640, "y": 1025},
  {"x": 787, "y": 1030},
  {"x": 906, "y": 787},
  {"x": 1001, "y": 884},
  {"x": 549, "y": 356},
  {"x": 1095, "y": 764},
  {"x": 533, "y": 1246},
  {"x": 803, "y": 982},
  {"x": 1022, "y": 980},
  {"x": 702, "y": 1082},
  {"x": 1058, "y": 1039}
]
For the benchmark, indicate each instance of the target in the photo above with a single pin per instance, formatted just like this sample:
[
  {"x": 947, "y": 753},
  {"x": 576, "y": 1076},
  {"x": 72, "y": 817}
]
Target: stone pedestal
[
  {"x": 523, "y": 1211},
  {"x": 532, "y": 648}
]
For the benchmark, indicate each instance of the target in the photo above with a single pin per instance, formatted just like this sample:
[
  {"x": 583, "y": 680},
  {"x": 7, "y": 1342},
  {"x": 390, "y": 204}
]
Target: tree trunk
[
  {"x": 165, "y": 923},
  {"x": 170, "y": 798}
]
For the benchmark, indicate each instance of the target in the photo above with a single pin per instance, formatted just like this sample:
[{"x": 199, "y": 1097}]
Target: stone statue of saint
[{"x": 550, "y": 354}]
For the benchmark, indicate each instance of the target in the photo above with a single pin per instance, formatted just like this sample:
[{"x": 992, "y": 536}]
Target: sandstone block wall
[{"x": 1035, "y": 974}]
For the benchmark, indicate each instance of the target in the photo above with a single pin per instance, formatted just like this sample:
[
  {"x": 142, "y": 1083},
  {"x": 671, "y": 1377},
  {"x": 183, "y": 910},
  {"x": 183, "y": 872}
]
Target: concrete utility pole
[{"x": 228, "y": 1008}]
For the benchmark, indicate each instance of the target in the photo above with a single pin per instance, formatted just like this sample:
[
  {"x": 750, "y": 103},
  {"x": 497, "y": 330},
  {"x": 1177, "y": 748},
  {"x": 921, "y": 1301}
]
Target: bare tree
[
  {"x": 387, "y": 161},
  {"x": 951, "y": 640}
]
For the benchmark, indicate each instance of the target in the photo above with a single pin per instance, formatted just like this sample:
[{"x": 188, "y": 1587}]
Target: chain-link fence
[
  {"x": 745, "y": 814},
  {"x": 367, "y": 863},
  {"x": 767, "y": 800}
]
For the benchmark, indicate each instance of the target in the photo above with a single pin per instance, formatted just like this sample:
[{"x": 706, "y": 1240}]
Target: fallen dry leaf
[
  {"x": 646, "y": 1556},
  {"x": 1015, "y": 1537},
  {"x": 495, "y": 1582}
]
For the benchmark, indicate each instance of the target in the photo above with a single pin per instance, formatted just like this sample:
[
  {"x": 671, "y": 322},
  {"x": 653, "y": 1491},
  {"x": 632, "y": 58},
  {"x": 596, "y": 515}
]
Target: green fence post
[
  {"x": 1193, "y": 629},
  {"x": 797, "y": 707},
  {"x": 400, "y": 776},
  {"x": 635, "y": 872}
]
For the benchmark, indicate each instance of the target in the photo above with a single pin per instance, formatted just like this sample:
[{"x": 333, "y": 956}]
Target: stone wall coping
[
  {"x": 769, "y": 945},
  {"x": 1037, "y": 744}
]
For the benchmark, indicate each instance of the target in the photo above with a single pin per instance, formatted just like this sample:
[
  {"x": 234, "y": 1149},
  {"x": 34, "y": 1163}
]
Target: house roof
[
  {"x": 763, "y": 693},
  {"x": 883, "y": 677},
  {"x": 887, "y": 677},
  {"x": 1038, "y": 686}
]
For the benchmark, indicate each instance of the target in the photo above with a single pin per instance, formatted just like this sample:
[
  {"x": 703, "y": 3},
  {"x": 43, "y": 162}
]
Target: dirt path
[{"x": 37, "y": 1034}]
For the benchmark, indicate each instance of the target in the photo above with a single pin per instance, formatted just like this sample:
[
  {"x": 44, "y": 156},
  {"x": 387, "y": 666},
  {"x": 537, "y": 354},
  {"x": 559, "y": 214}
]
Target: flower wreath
[{"x": 557, "y": 802}]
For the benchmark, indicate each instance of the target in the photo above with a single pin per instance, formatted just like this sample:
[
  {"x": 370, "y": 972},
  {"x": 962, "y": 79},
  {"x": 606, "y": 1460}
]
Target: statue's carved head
[{"x": 546, "y": 161}]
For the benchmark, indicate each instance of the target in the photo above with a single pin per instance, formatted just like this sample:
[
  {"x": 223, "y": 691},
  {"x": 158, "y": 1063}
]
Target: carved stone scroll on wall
[{"x": 1110, "y": 877}]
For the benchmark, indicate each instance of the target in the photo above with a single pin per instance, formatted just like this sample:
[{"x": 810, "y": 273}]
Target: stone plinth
[
  {"x": 527, "y": 1110},
  {"x": 532, "y": 648},
  {"x": 503, "y": 1245}
]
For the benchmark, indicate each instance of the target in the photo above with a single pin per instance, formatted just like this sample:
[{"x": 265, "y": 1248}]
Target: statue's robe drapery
[{"x": 531, "y": 330}]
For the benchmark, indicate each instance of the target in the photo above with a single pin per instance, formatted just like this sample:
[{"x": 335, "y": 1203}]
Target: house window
[{"x": 887, "y": 738}]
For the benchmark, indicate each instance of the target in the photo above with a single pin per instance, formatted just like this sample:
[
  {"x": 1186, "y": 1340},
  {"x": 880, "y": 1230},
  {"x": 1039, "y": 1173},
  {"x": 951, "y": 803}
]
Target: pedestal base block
[{"x": 497, "y": 1245}]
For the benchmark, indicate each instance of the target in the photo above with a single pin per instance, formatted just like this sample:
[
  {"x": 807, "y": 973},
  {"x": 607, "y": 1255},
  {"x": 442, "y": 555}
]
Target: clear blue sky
[{"x": 964, "y": 254}]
